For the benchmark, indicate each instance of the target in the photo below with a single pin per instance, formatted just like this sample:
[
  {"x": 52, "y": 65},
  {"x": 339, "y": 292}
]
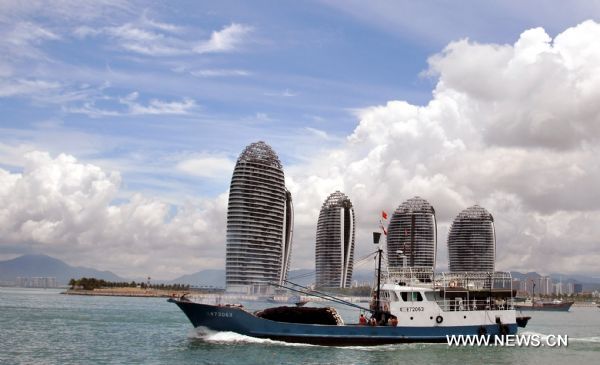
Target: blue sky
[{"x": 167, "y": 94}]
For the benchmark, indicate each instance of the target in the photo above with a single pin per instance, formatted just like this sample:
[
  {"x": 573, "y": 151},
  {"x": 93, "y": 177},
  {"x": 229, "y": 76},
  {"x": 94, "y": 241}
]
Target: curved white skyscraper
[
  {"x": 259, "y": 222},
  {"x": 334, "y": 253},
  {"x": 412, "y": 235},
  {"x": 472, "y": 241}
]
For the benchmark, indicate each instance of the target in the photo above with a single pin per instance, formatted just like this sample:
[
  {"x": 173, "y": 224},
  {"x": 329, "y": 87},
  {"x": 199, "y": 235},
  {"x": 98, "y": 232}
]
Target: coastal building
[
  {"x": 36, "y": 282},
  {"x": 545, "y": 285},
  {"x": 412, "y": 235},
  {"x": 472, "y": 241},
  {"x": 334, "y": 252},
  {"x": 259, "y": 223}
]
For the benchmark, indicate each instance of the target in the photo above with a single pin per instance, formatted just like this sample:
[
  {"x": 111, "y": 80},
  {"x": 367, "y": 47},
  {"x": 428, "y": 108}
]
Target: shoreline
[{"x": 127, "y": 292}]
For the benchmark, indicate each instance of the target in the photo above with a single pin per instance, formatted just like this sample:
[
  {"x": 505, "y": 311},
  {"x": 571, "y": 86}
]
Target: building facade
[
  {"x": 260, "y": 222},
  {"x": 472, "y": 241},
  {"x": 334, "y": 249},
  {"x": 412, "y": 235}
]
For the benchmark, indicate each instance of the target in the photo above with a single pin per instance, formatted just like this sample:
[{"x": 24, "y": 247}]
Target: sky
[{"x": 121, "y": 122}]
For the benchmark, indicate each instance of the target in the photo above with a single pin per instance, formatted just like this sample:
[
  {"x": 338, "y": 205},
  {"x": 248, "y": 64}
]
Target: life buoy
[{"x": 439, "y": 319}]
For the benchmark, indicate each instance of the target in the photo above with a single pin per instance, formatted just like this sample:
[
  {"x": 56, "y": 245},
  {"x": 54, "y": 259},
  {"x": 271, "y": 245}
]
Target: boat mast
[
  {"x": 376, "y": 236},
  {"x": 379, "y": 251}
]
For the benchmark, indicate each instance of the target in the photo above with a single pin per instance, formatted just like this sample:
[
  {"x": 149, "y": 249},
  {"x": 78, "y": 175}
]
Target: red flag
[{"x": 384, "y": 214}]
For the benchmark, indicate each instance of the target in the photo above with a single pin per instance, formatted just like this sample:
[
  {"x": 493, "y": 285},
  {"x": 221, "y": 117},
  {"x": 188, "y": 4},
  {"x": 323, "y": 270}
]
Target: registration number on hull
[
  {"x": 220, "y": 314},
  {"x": 411, "y": 309}
]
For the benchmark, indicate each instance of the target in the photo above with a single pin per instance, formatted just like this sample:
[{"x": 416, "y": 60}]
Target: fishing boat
[
  {"x": 409, "y": 305},
  {"x": 540, "y": 305},
  {"x": 532, "y": 304}
]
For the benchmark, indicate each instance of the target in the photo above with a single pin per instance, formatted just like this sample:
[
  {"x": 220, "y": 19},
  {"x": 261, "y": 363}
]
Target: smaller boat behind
[{"x": 539, "y": 305}]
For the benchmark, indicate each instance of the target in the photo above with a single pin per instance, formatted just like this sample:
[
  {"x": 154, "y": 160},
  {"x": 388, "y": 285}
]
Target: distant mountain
[
  {"x": 565, "y": 278},
  {"x": 214, "y": 278},
  {"x": 42, "y": 265},
  {"x": 589, "y": 283}
]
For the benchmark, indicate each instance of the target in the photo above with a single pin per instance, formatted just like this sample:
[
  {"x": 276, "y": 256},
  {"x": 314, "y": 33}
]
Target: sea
[{"x": 41, "y": 326}]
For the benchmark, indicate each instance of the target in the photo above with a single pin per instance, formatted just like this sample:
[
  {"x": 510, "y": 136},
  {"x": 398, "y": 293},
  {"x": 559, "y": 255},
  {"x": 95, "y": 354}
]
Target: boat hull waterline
[
  {"x": 235, "y": 319},
  {"x": 551, "y": 307}
]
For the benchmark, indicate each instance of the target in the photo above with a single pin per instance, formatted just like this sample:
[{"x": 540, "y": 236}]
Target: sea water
[{"x": 40, "y": 326}]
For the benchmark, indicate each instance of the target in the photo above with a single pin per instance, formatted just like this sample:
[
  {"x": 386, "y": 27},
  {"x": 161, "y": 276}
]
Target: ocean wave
[
  {"x": 543, "y": 337},
  {"x": 585, "y": 339},
  {"x": 396, "y": 346},
  {"x": 533, "y": 333}
]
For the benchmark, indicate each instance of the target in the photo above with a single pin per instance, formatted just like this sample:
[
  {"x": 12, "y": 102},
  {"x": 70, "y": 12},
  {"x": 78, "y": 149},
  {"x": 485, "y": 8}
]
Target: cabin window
[
  {"x": 391, "y": 295},
  {"x": 430, "y": 296},
  {"x": 416, "y": 296}
]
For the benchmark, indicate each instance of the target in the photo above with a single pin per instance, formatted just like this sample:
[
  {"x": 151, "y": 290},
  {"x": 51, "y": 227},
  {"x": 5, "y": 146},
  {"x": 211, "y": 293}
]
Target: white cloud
[
  {"x": 216, "y": 167},
  {"x": 162, "y": 39},
  {"x": 63, "y": 207},
  {"x": 22, "y": 39},
  {"x": 284, "y": 93},
  {"x": 535, "y": 93},
  {"x": 154, "y": 107},
  {"x": 219, "y": 73},
  {"x": 225, "y": 40},
  {"x": 513, "y": 128},
  {"x": 157, "y": 107},
  {"x": 21, "y": 87},
  {"x": 318, "y": 132},
  {"x": 26, "y": 33}
]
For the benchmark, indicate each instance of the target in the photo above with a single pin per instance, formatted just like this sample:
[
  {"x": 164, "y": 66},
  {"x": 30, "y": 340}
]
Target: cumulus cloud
[
  {"x": 64, "y": 207},
  {"x": 510, "y": 127},
  {"x": 537, "y": 93}
]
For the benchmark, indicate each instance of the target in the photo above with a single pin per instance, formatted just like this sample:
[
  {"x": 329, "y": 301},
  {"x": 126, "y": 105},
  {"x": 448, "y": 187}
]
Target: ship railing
[
  {"x": 474, "y": 280},
  {"x": 448, "y": 305},
  {"x": 418, "y": 276}
]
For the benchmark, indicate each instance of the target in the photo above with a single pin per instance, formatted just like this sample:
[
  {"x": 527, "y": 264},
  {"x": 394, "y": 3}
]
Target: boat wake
[
  {"x": 210, "y": 336},
  {"x": 544, "y": 337},
  {"x": 207, "y": 335}
]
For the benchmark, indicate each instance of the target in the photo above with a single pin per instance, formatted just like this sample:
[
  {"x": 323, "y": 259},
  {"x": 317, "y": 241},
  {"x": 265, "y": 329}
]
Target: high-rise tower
[
  {"x": 412, "y": 235},
  {"x": 334, "y": 254},
  {"x": 472, "y": 241},
  {"x": 260, "y": 221}
]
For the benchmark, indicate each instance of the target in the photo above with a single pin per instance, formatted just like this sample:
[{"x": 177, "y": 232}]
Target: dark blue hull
[
  {"x": 234, "y": 319},
  {"x": 546, "y": 307}
]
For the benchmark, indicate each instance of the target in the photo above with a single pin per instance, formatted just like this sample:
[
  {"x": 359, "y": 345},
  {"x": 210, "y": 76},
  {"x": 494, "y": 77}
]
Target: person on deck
[{"x": 362, "y": 320}]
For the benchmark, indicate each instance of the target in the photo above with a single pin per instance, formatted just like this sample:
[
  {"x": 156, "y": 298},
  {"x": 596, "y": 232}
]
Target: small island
[{"x": 93, "y": 286}]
